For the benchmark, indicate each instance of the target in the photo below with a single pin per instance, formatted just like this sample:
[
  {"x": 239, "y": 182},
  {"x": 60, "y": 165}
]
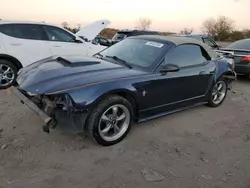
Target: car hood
[
  {"x": 56, "y": 73},
  {"x": 92, "y": 30}
]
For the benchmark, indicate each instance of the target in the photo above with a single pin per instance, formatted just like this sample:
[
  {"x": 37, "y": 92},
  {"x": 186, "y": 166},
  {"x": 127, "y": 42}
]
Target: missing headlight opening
[{"x": 50, "y": 105}]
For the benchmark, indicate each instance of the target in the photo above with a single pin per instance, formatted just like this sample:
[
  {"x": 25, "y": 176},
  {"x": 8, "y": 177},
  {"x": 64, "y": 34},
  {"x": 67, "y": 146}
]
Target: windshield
[
  {"x": 241, "y": 44},
  {"x": 138, "y": 52}
]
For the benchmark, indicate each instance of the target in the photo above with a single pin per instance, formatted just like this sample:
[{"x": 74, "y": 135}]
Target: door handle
[
  {"x": 202, "y": 73},
  {"x": 56, "y": 46}
]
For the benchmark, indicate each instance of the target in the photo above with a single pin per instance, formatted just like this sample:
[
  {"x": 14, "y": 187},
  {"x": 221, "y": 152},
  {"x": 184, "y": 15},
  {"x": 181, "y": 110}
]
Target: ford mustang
[{"x": 137, "y": 79}]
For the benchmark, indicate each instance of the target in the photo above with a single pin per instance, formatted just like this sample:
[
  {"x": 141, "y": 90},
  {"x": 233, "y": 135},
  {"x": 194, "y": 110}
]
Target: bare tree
[
  {"x": 219, "y": 28},
  {"x": 64, "y": 24},
  {"x": 246, "y": 33},
  {"x": 208, "y": 26},
  {"x": 75, "y": 30},
  {"x": 143, "y": 24},
  {"x": 79, "y": 26},
  {"x": 224, "y": 27},
  {"x": 186, "y": 31}
]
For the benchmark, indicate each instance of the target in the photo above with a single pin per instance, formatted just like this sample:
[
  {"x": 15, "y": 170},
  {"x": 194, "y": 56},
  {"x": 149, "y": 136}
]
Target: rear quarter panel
[{"x": 222, "y": 67}]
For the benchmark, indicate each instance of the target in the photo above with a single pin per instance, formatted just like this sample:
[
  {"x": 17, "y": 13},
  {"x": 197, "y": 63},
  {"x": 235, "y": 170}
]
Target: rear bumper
[
  {"x": 31, "y": 105},
  {"x": 242, "y": 69},
  {"x": 231, "y": 77}
]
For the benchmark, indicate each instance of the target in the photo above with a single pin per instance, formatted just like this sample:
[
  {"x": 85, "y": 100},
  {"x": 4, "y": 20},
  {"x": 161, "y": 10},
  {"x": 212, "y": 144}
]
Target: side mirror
[{"x": 169, "y": 68}]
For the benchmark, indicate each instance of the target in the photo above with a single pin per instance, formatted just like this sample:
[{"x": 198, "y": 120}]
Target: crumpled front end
[{"x": 53, "y": 110}]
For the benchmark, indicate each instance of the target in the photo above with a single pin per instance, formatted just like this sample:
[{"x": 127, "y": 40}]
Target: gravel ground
[{"x": 199, "y": 147}]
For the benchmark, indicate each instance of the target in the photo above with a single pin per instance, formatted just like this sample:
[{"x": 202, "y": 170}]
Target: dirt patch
[{"x": 199, "y": 147}]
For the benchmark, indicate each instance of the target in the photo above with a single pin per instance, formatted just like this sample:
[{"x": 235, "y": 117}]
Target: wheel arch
[
  {"x": 223, "y": 69},
  {"x": 229, "y": 75},
  {"x": 125, "y": 93},
  {"x": 12, "y": 59}
]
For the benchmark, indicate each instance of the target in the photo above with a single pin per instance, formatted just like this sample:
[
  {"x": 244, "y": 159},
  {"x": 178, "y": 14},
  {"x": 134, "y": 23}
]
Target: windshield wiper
[
  {"x": 98, "y": 54},
  {"x": 120, "y": 60}
]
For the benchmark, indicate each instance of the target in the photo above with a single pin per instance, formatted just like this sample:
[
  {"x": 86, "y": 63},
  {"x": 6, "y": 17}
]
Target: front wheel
[
  {"x": 8, "y": 73},
  {"x": 218, "y": 93},
  {"x": 110, "y": 121}
]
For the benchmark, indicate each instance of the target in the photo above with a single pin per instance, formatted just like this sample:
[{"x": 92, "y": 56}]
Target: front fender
[{"x": 86, "y": 97}]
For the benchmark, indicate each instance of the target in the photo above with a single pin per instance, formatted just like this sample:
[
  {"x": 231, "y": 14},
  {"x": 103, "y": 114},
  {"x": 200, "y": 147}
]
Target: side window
[
  {"x": 24, "y": 31},
  {"x": 209, "y": 42},
  {"x": 187, "y": 55},
  {"x": 59, "y": 35}
]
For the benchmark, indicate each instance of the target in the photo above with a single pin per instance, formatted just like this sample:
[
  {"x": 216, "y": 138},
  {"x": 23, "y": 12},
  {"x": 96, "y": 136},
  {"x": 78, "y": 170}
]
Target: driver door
[
  {"x": 185, "y": 87},
  {"x": 63, "y": 43}
]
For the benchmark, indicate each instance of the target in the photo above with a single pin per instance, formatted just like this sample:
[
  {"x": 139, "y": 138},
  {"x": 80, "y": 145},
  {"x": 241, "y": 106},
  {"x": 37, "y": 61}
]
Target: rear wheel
[
  {"x": 218, "y": 93},
  {"x": 110, "y": 121},
  {"x": 8, "y": 73}
]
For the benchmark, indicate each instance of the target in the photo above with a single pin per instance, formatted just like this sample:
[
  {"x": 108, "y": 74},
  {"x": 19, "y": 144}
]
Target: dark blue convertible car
[{"x": 137, "y": 79}]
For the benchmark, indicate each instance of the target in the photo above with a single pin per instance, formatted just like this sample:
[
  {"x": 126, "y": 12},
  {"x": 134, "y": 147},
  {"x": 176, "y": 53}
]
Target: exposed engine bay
[{"x": 51, "y": 105}]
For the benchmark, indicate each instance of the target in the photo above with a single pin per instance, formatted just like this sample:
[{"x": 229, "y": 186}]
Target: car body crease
[{"x": 95, "y": 83}]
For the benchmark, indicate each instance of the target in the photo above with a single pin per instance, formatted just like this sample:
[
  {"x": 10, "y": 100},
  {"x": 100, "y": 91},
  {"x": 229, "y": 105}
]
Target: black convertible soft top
[{"x": 180, "y": 40}]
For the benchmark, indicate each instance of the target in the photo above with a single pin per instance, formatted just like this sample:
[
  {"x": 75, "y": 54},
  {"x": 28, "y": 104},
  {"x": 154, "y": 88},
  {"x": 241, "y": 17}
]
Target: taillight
[{"x": 246, "y": 58}]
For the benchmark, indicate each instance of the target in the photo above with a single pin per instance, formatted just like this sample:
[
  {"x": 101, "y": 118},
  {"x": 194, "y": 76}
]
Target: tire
[
  {"x": 97, "y": 124},
  {"x": 211, "y": 101},
  {"x": 4, "y": 65}
]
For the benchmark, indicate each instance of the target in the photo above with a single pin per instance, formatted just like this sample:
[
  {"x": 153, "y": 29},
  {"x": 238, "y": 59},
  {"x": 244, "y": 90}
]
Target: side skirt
[{"x": 169, "y": 112}]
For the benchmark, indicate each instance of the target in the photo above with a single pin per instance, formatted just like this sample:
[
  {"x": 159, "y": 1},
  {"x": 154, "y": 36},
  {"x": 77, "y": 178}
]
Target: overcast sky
[{"x": 166, "y": 15}]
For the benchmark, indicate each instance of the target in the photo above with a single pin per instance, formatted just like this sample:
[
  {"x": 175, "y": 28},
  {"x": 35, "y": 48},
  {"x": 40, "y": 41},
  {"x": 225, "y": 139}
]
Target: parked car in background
[
  {"x": 240, "y": 51},
  {"x": 137, "y": 79},
  {"x": 205, "y": 39},
  {"x": 101, "y": 40},
  {"x": 120, "y": 35},
  {"x": 22, "y": 43}
]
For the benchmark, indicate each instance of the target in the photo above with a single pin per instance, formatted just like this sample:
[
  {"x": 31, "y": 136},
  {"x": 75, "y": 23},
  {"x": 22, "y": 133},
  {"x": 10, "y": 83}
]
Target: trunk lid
[{"x": 237, "y": 54}]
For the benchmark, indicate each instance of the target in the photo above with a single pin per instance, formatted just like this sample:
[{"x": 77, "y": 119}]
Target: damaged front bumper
[
  {"x": 68, "y": 118},
  {"x": 31, "y": 105}
]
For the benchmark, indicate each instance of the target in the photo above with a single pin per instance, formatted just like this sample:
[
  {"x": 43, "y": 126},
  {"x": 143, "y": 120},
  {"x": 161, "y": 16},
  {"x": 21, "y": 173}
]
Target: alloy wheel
[
  {"x": 7, "y": 75},
  {"x": 114, "y": 122},
  {"x": 219, "y": 92}
]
